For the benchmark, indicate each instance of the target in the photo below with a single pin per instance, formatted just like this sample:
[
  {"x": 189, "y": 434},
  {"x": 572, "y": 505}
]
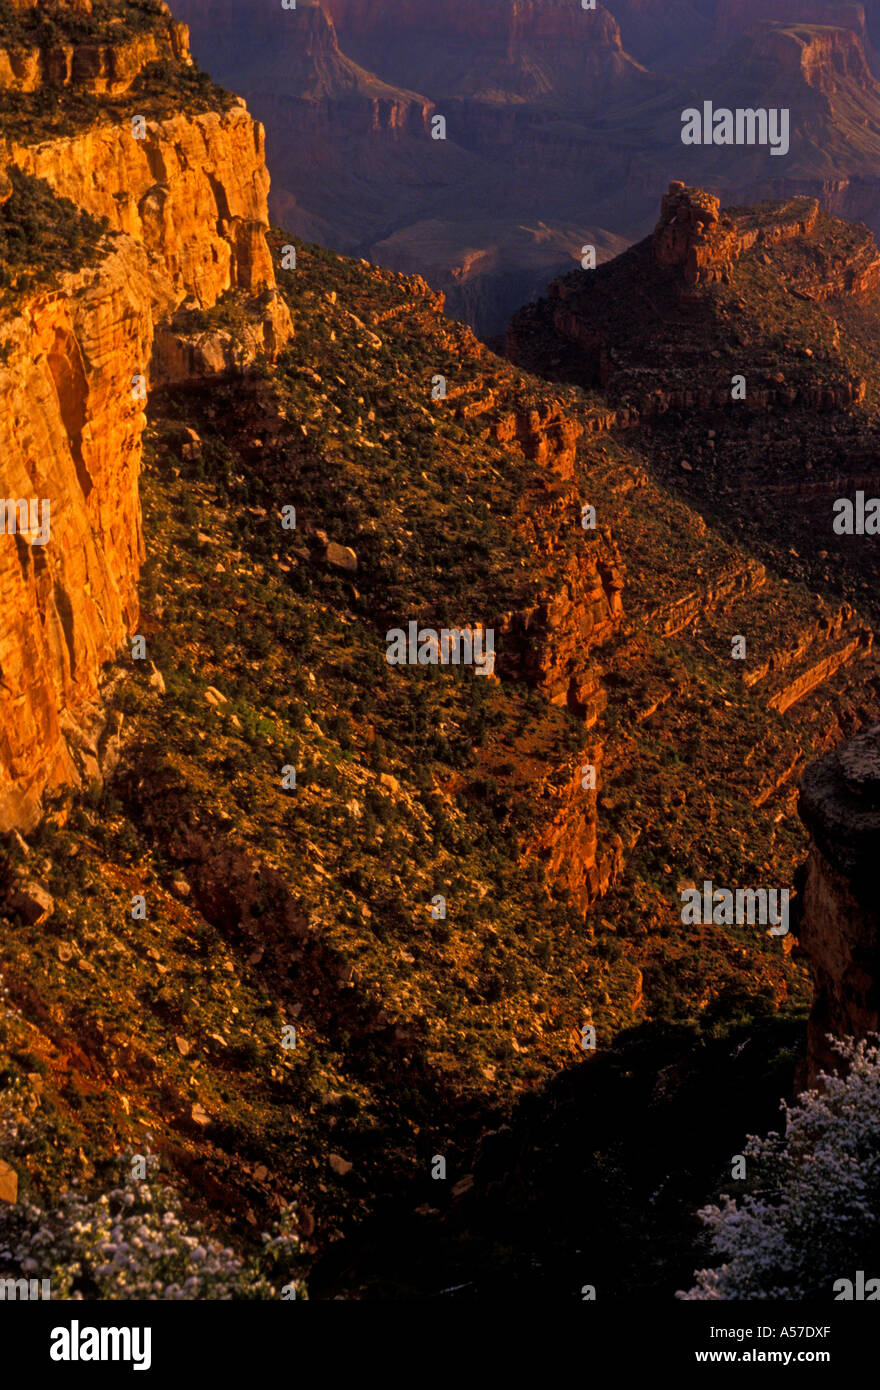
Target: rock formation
[
  {"x": 840, "y": 916},
  {"x": 186, "y": 215},
  {"x": 690, "y": 237},
  {"x": 70, "y": 432}
]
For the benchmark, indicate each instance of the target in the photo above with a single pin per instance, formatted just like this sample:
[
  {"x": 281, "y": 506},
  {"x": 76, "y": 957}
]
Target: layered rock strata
[{"x": 70, "y": 433}]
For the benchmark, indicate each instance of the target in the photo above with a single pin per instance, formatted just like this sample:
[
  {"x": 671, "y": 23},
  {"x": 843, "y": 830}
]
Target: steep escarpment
[
  {"x": 180, "y": 167},
  {"x": 71, "y": 433},
  {"x": 193, "y": 191},
  {"x": 538, "y": 50},
  {"x": 178, "y": 209},
  {"x": 96, "y": 49},
  {"x": 527, "y": 51},
  {"x": 820, "y": 74},
  {"x": 819, "y": 54},
  {"x": 840, "y": 927}
]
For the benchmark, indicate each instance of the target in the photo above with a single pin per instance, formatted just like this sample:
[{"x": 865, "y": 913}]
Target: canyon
[
  {"x": 557, "y": 137},
  {"x": 616, "y": 755}
]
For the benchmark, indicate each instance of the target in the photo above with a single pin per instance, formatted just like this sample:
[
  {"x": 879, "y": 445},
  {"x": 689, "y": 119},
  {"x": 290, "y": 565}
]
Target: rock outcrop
[
  {"x": 101, "y": 67},
  {"x": 691, "y": 236},
  {"x": 697, "y": 252},
  {"x": 193, "y": 191},
  {"x": 840, "y": 916}
]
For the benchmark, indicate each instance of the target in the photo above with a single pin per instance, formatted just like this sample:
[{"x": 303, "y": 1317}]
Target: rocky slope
[
  {"x": 265, "y": 905},
  {"x": 781, "y": 299}
]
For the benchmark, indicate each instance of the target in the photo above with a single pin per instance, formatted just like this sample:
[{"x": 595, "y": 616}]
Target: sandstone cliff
[
  {"x": 70, "y": 433},
  {"x": 96, "y": 66},
  {"x": 186, "y": 214},
  {"x": 193, "y": 192}
]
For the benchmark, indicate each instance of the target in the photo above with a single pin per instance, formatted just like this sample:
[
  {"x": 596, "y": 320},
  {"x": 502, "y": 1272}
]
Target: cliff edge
[{"x": 168, "y": 179}]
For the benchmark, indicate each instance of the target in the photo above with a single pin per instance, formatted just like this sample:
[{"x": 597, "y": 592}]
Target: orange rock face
[
  {"x": 575, "y": 857},
  {"x": 93, "y": 67},
  {"x": 190, "y": 200},
  {"x": 194, "y": 191},
  {"x": 70, "y": 432},
  {"x": 691, "y": 235}
]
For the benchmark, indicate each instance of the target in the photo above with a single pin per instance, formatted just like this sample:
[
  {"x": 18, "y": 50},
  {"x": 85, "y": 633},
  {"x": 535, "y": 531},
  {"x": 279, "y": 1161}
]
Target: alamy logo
[
  {"x": 77, "y": 1343},
  {"x": 859, "y": 518},
  {"x": 858, "y": 1290},
  {"x": 744, "y": 126},
  {"x": 456, "y": 646},
  {"x": 25, "y": 1290},
  {"x": 29, "y": 519},
  {"x": 725, "y": 908}
]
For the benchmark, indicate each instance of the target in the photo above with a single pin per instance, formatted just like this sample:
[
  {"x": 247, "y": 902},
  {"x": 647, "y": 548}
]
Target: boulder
[
  {"x": 341, "y": 557},
  {"x": 8, "y": 1183},
  {"x": 32, "y": 902}
]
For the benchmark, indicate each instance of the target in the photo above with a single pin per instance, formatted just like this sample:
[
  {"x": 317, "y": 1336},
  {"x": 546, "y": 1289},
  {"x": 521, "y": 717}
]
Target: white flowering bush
[
  {"x": 133, "y": 1243},
  {"x": 813, "y": 1214}
]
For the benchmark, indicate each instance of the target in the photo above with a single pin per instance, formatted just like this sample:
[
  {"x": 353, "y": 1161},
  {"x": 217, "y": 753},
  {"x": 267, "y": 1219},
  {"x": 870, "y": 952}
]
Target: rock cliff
[
  {"x": 193, "y": 192},
  {"x": 185, "y": 215},
  {"x": 840, "y": 918},
  {"x": 70, "y": 433},
  {"x": 102, "y": 67}
]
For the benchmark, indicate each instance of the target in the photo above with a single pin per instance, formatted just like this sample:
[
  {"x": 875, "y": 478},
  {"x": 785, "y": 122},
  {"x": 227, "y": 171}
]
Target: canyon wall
[
  {"x": 194, "y": 192},
  {"x": 186, "y": 213},
  {"x": 70, "y": 432},
  {"x": 840, "y": 915},
  {"x": 90, "y": 67}
]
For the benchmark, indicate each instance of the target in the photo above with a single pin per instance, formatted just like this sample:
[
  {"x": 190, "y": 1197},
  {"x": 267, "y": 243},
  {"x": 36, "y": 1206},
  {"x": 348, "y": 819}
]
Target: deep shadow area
[{"x": 596, "y": 1180}]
